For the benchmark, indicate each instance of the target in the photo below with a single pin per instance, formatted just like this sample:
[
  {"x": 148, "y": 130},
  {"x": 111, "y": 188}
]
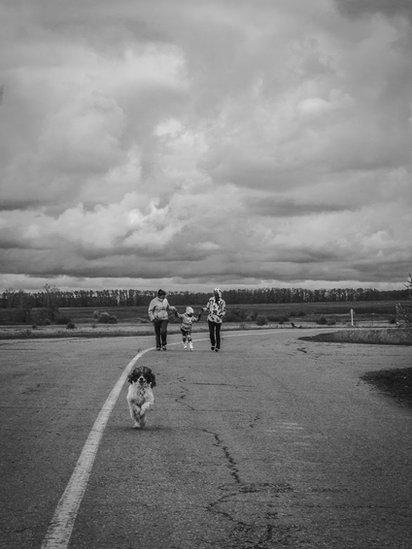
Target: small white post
[{"x": 352, "y": 323}]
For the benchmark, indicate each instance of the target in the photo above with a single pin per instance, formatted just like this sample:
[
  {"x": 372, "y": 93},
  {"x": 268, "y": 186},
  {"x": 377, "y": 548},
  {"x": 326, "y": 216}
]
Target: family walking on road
[{"x": 159, "y": 309}]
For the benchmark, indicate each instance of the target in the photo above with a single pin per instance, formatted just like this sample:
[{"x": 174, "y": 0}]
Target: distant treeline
[{"x": 54, "y": 298}]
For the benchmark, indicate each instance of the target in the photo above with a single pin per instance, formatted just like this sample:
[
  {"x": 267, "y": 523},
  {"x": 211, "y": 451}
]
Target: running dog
[{"x": 140, "y": 394}]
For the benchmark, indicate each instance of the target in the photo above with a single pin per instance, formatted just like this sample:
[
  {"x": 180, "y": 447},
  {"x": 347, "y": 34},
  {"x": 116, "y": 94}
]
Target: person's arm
[
  {"x": 151, "y": 310},
  {"x": 222, "y": 309}
]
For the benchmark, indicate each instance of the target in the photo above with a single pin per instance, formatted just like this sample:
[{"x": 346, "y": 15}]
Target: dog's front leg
[
  {"x": 131, "y": 410},
  {"x": 148, "y": 402},
  {"x": 144, "y": 408},
  {"x": 135, "y": 414}
]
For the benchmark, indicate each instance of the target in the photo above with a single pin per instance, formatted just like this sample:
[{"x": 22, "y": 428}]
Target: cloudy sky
[{"x": 192, "y": 143}]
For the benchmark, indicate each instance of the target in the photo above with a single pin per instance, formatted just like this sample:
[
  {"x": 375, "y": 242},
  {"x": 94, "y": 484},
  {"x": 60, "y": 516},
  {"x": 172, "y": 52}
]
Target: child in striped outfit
[{"x": 187, "y": 319}]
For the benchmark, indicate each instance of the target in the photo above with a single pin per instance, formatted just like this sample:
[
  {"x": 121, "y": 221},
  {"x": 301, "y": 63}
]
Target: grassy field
[
  {"x": 380, "y": 310},
  {"x": 132, "y": 321}
]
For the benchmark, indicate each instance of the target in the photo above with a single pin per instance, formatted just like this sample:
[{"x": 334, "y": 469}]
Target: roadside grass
[
  {"x": 383, "y": 336},
  {"x": 133, "y": 330},
  {"x": 112, "y": 330},
  {"x": 396, "y": 383}
]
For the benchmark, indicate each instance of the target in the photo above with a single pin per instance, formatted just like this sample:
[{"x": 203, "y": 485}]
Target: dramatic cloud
[{"x": 194, "y": 143}]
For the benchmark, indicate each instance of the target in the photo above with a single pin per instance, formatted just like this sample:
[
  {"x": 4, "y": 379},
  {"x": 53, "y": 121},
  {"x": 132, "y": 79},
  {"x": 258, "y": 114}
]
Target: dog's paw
[{"x": 136, "y": 425}]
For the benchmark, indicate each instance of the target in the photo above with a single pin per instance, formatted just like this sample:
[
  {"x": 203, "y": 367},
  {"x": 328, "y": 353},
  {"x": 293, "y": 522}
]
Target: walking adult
[
  {"x": 159, "y": 315},
  {"x": 216, "y": 307}
]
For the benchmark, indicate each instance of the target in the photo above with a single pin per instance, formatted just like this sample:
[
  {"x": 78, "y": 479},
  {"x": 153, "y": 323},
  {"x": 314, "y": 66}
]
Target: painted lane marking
[{"x": 61, "y": 526}]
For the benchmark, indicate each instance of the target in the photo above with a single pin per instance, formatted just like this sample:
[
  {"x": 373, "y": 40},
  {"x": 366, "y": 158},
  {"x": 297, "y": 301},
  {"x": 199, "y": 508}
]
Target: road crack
[{"x": 231, "y": 463}]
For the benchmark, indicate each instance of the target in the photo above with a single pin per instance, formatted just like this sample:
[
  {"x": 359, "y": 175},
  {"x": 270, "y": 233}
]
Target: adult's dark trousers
[
  {"x": 214, "y": 333},
  {"x": 160, "y": 328}
]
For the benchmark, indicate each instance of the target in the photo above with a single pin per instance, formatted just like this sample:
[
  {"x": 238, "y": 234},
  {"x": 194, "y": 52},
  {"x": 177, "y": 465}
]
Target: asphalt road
[{"x": 273, "y": 442}]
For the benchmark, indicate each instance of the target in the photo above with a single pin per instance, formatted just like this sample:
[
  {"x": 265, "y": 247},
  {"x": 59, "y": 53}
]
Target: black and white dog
[{"x": 140, "y": 394}]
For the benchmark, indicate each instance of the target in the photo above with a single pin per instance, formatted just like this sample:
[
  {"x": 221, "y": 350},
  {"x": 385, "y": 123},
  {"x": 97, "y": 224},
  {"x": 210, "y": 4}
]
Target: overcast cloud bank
[{"x": 189, "y": 143}]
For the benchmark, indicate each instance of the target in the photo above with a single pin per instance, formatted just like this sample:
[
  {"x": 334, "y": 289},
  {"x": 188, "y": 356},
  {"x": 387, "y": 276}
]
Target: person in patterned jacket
[{"x": 216, "y": 307}]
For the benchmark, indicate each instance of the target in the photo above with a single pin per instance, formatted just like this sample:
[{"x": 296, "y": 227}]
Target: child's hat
[{"x": 189, "y": 311}]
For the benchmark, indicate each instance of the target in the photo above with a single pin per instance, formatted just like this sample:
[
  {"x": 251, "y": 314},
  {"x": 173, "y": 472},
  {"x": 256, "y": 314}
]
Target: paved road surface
[{"x": 273, "y": 442}]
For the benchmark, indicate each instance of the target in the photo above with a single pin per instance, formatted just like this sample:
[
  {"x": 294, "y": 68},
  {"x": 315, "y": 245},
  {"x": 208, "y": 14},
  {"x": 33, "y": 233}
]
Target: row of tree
[{"x": 53, "y": 298}]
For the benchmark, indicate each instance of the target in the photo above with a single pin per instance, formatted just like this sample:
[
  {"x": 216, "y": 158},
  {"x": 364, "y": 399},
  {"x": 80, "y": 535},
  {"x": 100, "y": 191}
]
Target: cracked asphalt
[{"x": 272, "y": 442}]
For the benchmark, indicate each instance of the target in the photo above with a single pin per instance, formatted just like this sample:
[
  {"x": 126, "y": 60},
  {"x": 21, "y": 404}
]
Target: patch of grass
[
  {"x": 261, "y": 320},
  {"x": 397, "y": 383},
  {"x": 385, "y": 336},
  {"x": 109, "y": 330}
]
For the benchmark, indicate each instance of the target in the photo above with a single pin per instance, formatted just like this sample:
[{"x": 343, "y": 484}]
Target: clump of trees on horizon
[{"x": 53, "y": 298}]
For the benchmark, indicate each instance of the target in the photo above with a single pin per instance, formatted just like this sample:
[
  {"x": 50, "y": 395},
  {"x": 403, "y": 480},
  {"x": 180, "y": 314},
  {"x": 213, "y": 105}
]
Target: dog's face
[{"x": 143, "y": 376}]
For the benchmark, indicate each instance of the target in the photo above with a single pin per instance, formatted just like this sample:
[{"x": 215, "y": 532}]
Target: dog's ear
[
  {"x": 151, "y": 378},
  {"x": 133, "y": 376}
]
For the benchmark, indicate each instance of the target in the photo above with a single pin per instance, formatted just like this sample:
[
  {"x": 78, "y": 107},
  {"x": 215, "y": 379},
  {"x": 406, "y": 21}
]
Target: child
[{"x": 187, "y": 319}]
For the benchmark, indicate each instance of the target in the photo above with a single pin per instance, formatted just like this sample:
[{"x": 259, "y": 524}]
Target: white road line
[{"x": 61, "y": 526}]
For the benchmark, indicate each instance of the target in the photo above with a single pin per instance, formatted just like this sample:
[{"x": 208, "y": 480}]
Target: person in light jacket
[
  {"x": 216, "y": 307},
  {"x": 159, "y": 314}
]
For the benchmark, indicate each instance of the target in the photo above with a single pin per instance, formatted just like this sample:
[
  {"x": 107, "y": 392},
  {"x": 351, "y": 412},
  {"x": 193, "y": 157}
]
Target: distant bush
[
  {"x": 41, "y": 316},
  {"x": 297, "y": 313},
  {"x": 280, "y": 319},
  {"x": 251, "y": 316},
  {"x": 15, "y": 316},
  {"x": 322, "y": 320},
  {"x": 107, "y": 318},
  {"x": 70, "y": 325},
  {"x": 236, "y": 315},
  {"x": 261, "y": 320},
  {"x": 61, "y": 320}
]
